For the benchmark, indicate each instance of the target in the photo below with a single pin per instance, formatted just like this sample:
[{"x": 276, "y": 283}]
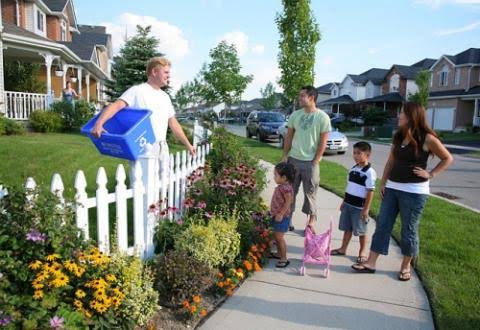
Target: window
[
  {"x": 63, "y": 31},
  {"x": 39, "y": 20},
  {"x": 444, "y": 76},
  {"x": 457, "y": 76},
  {"x": 394, "y": 83}
]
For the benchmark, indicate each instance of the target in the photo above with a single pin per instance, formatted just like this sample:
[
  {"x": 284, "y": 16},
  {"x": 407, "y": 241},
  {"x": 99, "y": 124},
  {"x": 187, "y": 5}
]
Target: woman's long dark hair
[{"x": 416, "y": 129}]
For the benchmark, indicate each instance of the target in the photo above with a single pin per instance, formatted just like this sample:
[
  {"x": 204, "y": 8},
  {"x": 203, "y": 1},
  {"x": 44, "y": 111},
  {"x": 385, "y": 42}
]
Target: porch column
[
  {"x": 49, "y": 58},
  {"x": 476, "y": 114},
  {"x": 384, "y": 106},
  {"x": 64, "y": 78},
  {"x": 87, "y": 80},
  {"x": 338, "y": 109},
  {"x": 98, "y": 91},
  {"x": 2, "y": 85},
  {"x": 79, "y": 81}
]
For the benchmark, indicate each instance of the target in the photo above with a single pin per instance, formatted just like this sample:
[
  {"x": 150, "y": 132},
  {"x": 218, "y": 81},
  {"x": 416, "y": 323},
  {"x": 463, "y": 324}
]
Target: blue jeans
[{"x": 410, "y": 206}]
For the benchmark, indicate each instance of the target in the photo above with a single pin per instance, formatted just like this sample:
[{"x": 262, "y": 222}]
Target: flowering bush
[
  {"x": 180, "y": 276},
  {"x": 193, "y": 307}
]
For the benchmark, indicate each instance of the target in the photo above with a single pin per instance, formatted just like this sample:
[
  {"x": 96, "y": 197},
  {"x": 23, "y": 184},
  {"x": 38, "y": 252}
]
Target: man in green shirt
[{"x": 304, "y": 145}]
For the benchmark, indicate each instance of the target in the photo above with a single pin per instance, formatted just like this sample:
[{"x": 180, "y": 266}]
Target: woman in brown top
[{"x": 405, "y": 187}]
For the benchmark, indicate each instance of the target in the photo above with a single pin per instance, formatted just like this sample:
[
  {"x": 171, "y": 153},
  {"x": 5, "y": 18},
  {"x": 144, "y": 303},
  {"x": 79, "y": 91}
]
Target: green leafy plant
[
  {"x": 74, "y": 115},
  {"x": 10, "y": 127},
  {"x": 165, "y": 235},
  {"x": 375, "y": 116},
  {"x": 46, "y": 121},
  {"x": 180, "y": 276}
]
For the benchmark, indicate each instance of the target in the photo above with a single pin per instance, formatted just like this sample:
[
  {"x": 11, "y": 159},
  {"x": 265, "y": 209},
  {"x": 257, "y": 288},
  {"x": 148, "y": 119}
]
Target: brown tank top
[{"x": 405, "y": 160}]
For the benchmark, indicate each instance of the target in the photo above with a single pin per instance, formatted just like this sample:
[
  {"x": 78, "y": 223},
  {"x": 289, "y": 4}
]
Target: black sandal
[
  {"x": 282, "y": 264},
  {"x": 361, "y": 268},
  {"x": 404, "y": 276}
]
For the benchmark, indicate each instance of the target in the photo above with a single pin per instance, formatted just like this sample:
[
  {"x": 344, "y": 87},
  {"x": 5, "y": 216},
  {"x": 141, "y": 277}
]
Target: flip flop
[
  {"x": 361, "y": 268},
  {"x": 273, "y": 256},
  {"x": 404, "y": 276},
  {"x": 361, "y": 259},
  {"x": 282, "y": 264},
  {"x": 336, "y": 252}
]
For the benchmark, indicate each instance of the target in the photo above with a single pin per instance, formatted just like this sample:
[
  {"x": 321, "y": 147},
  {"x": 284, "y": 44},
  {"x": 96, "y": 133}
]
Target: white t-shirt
[{"x": 144, "y": 96}]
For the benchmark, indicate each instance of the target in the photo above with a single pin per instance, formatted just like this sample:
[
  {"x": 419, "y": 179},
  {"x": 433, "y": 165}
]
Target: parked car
[
  {"x": 264, "y": 124},
  {"x": 337, "y": 142}
]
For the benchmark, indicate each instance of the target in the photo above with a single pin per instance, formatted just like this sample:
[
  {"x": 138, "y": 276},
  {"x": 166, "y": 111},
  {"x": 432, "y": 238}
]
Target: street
[{"x": 460, "y": 182}]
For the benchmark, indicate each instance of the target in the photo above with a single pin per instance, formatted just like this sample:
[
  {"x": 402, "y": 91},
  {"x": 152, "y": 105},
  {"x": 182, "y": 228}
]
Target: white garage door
[{"x": 441, "y": 118}]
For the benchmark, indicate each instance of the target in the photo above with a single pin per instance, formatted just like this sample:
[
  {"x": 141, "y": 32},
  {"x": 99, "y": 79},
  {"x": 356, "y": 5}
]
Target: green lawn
[
  {"x": 42, "y": 155},
  {"x": 449, "y": 261},
  {"x": 455, "y": 137}
]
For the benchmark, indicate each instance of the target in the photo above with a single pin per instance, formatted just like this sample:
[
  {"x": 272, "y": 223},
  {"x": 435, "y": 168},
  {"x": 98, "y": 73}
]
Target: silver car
[{"x": 337, "y": 142}]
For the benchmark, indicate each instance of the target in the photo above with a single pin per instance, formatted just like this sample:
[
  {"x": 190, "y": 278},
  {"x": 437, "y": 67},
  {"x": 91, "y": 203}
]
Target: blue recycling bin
[{"x": 128, "y": 133}]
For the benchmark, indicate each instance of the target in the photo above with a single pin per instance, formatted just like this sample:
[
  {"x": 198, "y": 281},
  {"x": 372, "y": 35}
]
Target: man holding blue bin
[{"x": 149, "y": 95}]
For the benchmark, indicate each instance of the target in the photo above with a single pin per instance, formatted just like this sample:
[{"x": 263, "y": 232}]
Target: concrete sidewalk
[{"x": 282, "y": 299}]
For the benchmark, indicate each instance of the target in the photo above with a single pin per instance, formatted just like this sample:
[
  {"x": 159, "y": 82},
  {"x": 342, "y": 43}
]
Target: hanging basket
[
  {"x": 73, "y": 79},
  {"x": 59, "y": 73}
]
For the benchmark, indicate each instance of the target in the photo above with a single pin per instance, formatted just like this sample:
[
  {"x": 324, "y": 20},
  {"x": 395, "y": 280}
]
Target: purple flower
[
  {"x": 56, "y": 322},
  {"x": 35, "y": 236},
  {"x": 4, "y": 319}
]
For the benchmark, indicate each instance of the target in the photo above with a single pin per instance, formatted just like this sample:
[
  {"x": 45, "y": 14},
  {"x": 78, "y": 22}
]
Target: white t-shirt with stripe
[{"x": 360, "y": 181}]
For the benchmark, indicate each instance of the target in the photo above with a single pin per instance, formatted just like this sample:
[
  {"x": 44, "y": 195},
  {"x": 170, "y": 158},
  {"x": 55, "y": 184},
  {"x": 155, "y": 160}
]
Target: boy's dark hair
[
  {"x": 363, "y": 146},
  {"x": 311, "y": 91},
  {"x": 287, "y": 170}
]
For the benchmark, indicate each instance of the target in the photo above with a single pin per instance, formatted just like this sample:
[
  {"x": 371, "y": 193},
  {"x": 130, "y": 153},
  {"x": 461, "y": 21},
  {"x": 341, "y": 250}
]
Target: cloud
[
  {"x": 172, "y": 42},
  {"x": 466, "y": 28},
  {"x": 435, "y": 4},
  {"x": 237, "y": 38},
  {"x": 258, "y": 49},
  {"x": 264, "y": 72}
]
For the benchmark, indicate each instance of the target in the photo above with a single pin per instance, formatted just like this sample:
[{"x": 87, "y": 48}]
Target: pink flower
[
  {"x": 180, "y": 222},
  {"x": 202, "y": 205},
  {"x": 208, "y": 215},
  {"x": 57, "y": 322}
]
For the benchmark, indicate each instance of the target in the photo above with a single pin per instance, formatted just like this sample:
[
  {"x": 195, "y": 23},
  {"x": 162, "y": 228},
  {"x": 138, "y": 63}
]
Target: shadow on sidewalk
[{"x": 327, "y": 316}]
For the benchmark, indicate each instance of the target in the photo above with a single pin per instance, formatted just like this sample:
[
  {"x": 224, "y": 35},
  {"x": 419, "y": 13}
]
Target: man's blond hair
[{"x": 156, "y": 61}]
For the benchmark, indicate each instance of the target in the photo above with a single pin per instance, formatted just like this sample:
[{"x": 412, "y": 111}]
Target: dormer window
[
  {"x": 40, "y": 20},
  {"x": 63, "y": 31},
  {"x": 444, "y": 76},
  {"x": 394, "y": 83}
]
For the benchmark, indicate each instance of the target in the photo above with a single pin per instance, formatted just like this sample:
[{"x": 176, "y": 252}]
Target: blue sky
[{"x": 356, "y": 35}]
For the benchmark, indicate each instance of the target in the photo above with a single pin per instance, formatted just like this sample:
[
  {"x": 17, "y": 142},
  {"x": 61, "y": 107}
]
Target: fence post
[
  {"x": 121, "y": 208},
  {"x": 81, "y": 209},
  {"x": 138, "y": 195},
  {"x": 103, "y": 235},
  {"x": 149, "y": 162}
]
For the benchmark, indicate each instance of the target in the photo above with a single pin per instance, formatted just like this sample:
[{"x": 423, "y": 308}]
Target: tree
[
  {"x": 23, "y": 77},
  {"x": 189, "y": 94},
  {"x": 299, "y": 35},
  {"x": 222, "y": 79},
  {"x": 423, "y": 83},
  {"x": 129, "y": 66},
  {"x": 269, "y": 99}
]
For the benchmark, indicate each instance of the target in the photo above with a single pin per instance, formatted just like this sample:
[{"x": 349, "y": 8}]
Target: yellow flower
[
  {"x": 79, "y": 271},
  {"x": 35, "y": 265},
  {"x": 101, "y": 309},
  {"x": 88, "y": 314},
  {"x": 80, "y": 294},
  {"x": 116, "y": 302},
  {"x": 52, "y": 257},
  {"x": 38, "y": 286},
  {"x": 43, "y": 275},
  {"x": 70, "y": 266},
  {"x": 110, "y": 278},
  {"x": 38, "y": 294},
  {"x": 60, "y": 281},
  {"x": 78, "y": 304}
]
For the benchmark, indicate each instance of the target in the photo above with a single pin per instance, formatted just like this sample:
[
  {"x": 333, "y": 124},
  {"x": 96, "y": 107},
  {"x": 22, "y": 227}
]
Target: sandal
[
  {"x": 337, "y": 252},
  {"x": 361, "y": 268},
  {"x": 273, "y": 256},
  {"x": 404, "y": 275},
  {"x": 282, "y": 264},
  {"x": 361, "y": 259}
]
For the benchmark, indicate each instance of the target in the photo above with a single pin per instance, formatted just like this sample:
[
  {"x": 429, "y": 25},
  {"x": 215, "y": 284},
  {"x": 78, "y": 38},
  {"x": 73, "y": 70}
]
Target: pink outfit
[{"x": 279, "y": 200}]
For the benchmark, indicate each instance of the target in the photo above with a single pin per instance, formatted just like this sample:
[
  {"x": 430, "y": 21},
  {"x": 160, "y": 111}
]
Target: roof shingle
[{"x": 56, "y": 5}]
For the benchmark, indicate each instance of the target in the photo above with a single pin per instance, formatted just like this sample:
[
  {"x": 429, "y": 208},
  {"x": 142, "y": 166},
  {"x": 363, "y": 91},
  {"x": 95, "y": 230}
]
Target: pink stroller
[{"x": 317, "y": 249}]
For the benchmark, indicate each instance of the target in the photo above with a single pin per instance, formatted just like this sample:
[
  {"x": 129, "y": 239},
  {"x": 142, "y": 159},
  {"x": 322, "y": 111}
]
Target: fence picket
[
  {"x": 57, "y": 188},
  {"x": 81, "y": 203},
  {"x": 138, "y": 191},
  {"x": 178, "y": 175},
  {"x": 121, "y": 208},
  {"x": 103, "y": 235},
  {"x": 171, "y": 188}
]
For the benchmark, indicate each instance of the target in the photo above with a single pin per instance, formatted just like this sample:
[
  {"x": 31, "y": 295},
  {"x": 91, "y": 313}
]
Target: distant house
[
  {"x": 455, "y": 91},
  {"x": 47, "y": 32},
  {"x": 397, "y": 86},
  {"x": 324, "y": 93}
]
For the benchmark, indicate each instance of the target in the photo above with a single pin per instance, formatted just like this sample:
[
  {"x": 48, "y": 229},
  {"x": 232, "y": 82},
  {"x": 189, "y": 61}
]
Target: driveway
[{"x": 459, "y": 183}]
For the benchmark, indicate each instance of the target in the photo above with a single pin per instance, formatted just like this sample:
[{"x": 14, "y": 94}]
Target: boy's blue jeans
[{"x": 410, "y": 206}]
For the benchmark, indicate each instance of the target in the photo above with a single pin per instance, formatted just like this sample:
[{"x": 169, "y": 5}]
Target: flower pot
[
  {"x": 73, "y": 79},
  {"x": 59, "y": 73}
]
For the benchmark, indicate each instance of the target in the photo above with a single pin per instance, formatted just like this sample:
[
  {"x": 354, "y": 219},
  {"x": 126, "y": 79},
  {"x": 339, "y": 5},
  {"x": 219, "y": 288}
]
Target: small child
[
  {"x": 280, "y": 209},
  {"x": 356, "y": 203}
]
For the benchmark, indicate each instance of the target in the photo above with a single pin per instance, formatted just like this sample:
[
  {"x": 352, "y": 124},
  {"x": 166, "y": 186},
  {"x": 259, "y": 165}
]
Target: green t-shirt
[{"x": 308, "y": 127}]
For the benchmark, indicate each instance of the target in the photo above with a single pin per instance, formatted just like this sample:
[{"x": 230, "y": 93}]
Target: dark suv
[{"x": 264, "y": 124}]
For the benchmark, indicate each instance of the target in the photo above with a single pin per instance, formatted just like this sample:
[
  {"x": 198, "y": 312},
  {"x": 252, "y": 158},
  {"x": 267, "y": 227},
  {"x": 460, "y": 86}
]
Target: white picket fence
[{"x": 152, "y": 179}]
